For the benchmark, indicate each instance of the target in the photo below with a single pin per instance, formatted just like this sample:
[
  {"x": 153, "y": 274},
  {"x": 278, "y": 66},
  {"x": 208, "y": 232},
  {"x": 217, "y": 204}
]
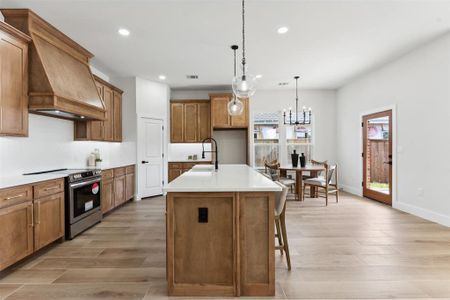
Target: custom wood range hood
[{"x": 61, "y": 83}]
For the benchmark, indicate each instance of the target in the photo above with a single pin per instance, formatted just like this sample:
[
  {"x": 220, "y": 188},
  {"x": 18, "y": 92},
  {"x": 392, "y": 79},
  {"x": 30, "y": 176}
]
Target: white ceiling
[{"x": 329, "y": 42}]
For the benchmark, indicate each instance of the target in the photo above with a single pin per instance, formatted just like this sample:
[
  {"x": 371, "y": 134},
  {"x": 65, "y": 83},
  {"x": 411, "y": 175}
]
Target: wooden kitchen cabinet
[
  {"x": 48, "y": 220},
  {"x": 16, "y": 236},
  {"x": 220, "y": 118},
  {"x": 178, "y": 168},
  {"x": 13, "y": 81},
  {"x": 109, "y": 130},
  {"x": 129, "y": 182},
  {"x": 119, "y": 186},
  {"x": 190, "y": 121},
  {"x": 107, "y": 195}
]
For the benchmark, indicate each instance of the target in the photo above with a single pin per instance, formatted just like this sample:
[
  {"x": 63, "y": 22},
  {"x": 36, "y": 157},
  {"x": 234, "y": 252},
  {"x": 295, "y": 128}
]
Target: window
[{"x": 266, "y": 137}]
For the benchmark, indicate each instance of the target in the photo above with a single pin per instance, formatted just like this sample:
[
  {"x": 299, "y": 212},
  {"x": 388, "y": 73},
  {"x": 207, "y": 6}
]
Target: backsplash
[
  {"x": 50, "y": 145},
  {"x": 181, "y": 152}
]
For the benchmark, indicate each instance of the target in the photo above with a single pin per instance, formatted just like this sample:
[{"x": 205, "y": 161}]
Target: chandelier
[{"x": 305, "y": 112}]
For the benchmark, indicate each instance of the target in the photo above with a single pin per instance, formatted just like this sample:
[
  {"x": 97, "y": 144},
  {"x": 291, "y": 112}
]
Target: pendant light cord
[
  {"x": 243, "y": 37},
  {"x": 296, "y": 99}
]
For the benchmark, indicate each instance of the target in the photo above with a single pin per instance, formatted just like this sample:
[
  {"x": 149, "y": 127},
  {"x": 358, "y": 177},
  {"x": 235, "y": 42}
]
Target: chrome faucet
[{"x": 216, "y": 163}]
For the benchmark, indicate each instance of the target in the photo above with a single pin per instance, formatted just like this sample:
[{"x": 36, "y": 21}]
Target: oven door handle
[{"x": 78, "y": 184}]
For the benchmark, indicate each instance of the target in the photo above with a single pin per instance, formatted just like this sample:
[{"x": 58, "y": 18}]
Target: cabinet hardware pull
[
  {"x": 14, "y": 197},
  {"x": 38, "y": 214},
  {"x": 32, "y": 217},
  {"x": 51, "y": 188}
]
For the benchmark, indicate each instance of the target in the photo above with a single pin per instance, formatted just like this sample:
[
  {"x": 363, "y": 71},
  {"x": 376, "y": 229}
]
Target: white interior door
[{"x": 150, "y": 157}]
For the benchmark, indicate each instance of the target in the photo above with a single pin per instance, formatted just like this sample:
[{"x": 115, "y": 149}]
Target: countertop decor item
[
  {"x": 302, "y": 160},
  {"x": 306, "y": 113},
  {"x": 244, "y": 85},
  {"x": 294, "y": 157}
]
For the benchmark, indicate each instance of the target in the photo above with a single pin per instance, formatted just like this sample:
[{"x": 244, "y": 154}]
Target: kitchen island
[{"x": 220, "y": 232}]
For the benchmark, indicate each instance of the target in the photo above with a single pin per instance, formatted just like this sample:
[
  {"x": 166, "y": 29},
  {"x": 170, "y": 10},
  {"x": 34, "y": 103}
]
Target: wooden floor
[{"x": 354, "y": 249}]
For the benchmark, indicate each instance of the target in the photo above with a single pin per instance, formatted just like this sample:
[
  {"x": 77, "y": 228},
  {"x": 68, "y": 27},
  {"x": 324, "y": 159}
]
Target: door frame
[
  {"x": 392, "y": 108},
  {"x": 164, "y": 146}
]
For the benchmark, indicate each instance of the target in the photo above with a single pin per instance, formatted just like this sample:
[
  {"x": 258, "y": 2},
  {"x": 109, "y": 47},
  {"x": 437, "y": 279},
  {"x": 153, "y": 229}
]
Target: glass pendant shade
[
  {"x": 244, "y": 86},
  {"x": 235, "y": 107}
]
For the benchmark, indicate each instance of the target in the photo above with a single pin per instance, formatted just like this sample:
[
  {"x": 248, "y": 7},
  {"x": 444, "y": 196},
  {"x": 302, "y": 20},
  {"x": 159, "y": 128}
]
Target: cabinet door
[
  {"x": 241, "y": 121},
  {"x": 190, "y": 122},
  {"x": 16, "y": 237},
  {"x": 48, "y": 220},
  {"x": 13, "y": 86},
  {"x": 129, "y": 186},
  {"x": 219, "y": 112},
  {"x": 107, "y": 200},
  {"x": 109, "y": 120},
  {"x": 204, "y": 121},
  {"x": 117, "y": 117},
  {"x": 96, "y": 127},
  {"x": 174, "y": 173},
  {"x": 176, "y": 122},
  {"x": 119, "y": 190}
]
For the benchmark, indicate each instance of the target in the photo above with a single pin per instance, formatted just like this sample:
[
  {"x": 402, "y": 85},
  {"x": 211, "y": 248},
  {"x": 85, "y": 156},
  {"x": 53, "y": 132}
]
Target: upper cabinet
[
  {"x": 13, "y": 81},
  {"x": 109, "y": 130},
  {"x": 219, "y": 113},
  {"x": 190, "y": 121}
]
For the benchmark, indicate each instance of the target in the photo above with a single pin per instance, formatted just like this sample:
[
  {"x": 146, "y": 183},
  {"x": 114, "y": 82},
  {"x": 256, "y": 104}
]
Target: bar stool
[{"x": 280, "y": 222}]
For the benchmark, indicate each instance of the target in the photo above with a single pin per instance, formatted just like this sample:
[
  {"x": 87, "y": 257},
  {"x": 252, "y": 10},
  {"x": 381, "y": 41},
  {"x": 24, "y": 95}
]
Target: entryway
[
  {"x": 377, "y": 156},
  {"x": 150, "y": 153}
]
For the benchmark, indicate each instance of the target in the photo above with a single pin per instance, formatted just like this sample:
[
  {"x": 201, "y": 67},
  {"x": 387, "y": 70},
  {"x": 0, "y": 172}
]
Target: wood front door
[{"x": 377, "y": 156}]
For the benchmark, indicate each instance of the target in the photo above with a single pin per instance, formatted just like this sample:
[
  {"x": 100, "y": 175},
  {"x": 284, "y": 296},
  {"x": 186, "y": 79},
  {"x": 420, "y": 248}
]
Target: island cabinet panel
[
  {"x": 202, "y": 250},
  {"x": 16, "y": 237},
  {"x": 13, "y": 81},
  {"x": 220, "y": 244},
  {"x": 257, "y": 253}
]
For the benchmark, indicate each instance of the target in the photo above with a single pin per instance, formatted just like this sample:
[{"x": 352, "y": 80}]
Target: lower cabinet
[
  {"x": 107, "y": 195},
  {"x": 16, "y": 236},
  {"x": 178, "y": 168},
  {"x": 48, "y": 220},
  {"x": 117, "y": 187},
  {"x": 31, "y": 217}
]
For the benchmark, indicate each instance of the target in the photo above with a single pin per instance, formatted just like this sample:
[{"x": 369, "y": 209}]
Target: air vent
[
  {"x": 283, "y": 83},
  {"x": 193, "y": 76}
]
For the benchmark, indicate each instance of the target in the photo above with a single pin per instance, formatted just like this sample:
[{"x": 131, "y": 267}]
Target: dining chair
[
  {"x": 324, "y": 185},
  {"x": 280, "y": 222},
  {"x": 273, "y": 169}
]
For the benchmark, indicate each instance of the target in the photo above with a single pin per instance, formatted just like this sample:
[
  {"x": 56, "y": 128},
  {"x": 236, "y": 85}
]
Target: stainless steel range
[{"x": 83, "y": 206}]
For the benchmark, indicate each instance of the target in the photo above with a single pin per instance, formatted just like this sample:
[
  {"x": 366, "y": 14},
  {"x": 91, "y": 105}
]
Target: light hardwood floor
[{"x": 355, "y": 249}]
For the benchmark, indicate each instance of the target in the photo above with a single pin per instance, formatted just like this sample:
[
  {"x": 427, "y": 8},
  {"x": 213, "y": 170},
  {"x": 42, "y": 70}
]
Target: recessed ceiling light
[
  {"x": 258, "y": 76},
  {"x": 162, "y": 77},
  {"x": 124, "y": 32},
  {"x": 282, "y": 30}
]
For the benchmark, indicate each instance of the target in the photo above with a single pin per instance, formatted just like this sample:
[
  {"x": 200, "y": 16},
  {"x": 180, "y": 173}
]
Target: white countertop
[
  {"x": 229, "y": 178},
  {"x": 16, "y": 180}
]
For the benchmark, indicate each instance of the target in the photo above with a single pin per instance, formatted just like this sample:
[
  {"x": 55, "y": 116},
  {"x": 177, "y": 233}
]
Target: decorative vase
[
  {"x": 294, "y": 157},
  {"x": 302, "y": 160}
]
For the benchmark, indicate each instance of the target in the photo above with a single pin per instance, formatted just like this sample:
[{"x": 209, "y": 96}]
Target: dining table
[{"x": 312, "y": 169}]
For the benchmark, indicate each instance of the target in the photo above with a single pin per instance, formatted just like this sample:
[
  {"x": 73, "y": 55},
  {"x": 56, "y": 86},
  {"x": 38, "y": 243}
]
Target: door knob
[{"x": 145, "y": 162}]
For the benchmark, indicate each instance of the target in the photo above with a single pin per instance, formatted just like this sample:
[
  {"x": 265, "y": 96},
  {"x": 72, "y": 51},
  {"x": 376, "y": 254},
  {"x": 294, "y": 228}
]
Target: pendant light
[
  {"x": 235, "y": 106},
  {"x": 306, "y": 113},
  {"x": 244, "y": 85}
]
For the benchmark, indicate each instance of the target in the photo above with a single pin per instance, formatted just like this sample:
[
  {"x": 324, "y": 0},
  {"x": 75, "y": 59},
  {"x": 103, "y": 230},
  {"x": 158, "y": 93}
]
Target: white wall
[{"x": 418, "y": 84}]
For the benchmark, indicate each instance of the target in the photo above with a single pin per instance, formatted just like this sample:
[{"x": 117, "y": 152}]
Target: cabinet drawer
[
  {"x": 188, "y": 166},
  {"x": 15, "y": 195},
  {"x": 173, "y": 165},
  {"x": 129, "y": 169},
  {"x": 119, "y": 172},
  {"x": 107, "y": 174},
  {"x": 47, "y": 188}
]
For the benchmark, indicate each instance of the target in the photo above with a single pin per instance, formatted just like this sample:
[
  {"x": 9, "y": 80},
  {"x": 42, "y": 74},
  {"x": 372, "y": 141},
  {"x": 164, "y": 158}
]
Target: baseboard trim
[
  {"x": 351, "y": 190},
  {"x": 423, "y": 213}
]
